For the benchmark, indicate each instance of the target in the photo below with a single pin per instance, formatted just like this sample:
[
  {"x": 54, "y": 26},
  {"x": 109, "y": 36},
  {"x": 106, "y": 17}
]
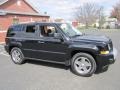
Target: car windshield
[{"x": 70, "y": 30}]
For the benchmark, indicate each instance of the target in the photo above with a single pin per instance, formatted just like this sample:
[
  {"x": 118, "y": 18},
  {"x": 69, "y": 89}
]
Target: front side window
[
  {"x": 69, "y": 30},
  {"x": 47, "y": 31}
]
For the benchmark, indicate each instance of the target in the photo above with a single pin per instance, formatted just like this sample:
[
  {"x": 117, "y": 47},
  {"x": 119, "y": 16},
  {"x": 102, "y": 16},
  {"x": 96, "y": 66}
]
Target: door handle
[{"x": 41, "y": 42}]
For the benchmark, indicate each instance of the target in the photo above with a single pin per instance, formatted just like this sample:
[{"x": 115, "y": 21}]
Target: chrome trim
[
  {"x": 45, "y": 60},
  {"x": 25, "y": 38},
  {"x": 44, "y": 51}
]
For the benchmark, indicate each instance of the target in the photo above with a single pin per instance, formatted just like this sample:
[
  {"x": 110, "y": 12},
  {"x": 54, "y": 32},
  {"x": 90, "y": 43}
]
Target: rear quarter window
[
  {"x": 15, "y": 31},
  {"x": 18, "y": 28},
  {"x": 10, "y": 30}
]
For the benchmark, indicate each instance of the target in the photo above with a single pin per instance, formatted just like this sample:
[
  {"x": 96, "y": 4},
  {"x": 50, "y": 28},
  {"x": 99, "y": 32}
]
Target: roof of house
[
  {"x": 4, "y": 12},
  {"x": 3, "y": 1},
  {"x": 27, "y": 1}
]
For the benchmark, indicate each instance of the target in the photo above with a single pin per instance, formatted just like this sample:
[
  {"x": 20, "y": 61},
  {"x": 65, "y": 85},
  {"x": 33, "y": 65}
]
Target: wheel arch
[
  {"x": 83, "y": 51},
  {"x": 91, "y": 59},
  {"x": 12, "y": 46}
]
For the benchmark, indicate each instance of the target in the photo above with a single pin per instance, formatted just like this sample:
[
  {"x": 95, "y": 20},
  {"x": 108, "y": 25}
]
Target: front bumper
[{"x": 105, "y": 60}]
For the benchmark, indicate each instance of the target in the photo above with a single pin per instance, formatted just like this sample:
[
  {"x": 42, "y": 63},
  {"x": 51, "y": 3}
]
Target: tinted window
[
  {"x": 9, "y": 31},
  {"x": 30, "y": 29},
  {"x": 30, "y": 32},
  {"x": 18, "y": 28}
]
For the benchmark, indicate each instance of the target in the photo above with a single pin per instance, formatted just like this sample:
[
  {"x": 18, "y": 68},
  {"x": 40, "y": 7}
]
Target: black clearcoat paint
[{"x": 57, "y": 50}]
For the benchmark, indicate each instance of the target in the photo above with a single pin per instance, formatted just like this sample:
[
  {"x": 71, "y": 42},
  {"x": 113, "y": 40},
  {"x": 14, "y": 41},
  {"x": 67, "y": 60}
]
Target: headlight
[{"x": 104, "y": 52}]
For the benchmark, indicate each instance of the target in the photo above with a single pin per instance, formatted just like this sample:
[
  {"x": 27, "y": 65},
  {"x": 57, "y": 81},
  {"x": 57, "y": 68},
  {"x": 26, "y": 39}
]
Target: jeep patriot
[{"x": 59, "y": 43}]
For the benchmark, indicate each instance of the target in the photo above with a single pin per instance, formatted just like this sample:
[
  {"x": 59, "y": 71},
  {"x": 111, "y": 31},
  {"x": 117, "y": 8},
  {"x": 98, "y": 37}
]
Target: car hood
[{"x": 92, "y": 38}]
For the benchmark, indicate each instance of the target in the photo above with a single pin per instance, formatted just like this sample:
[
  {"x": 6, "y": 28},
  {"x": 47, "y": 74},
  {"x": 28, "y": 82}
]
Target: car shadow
[
  {"x": 48, "y": 64},
  {"x": 60, "y": 66},
  {"x": 102, "y": 70}
]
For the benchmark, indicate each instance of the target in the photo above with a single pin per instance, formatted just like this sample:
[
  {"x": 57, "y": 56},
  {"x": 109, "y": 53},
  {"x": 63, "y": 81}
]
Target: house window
[
  {"x": 15, "y": 20},
  {"x": 31, "y": 19}
]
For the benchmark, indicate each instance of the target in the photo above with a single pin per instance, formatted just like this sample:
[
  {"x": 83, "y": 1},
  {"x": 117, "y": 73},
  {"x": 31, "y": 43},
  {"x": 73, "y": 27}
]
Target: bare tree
[
  {"x": 101, "y": 17},
  {"x": 116, "y": 11},
  {"x": 88, "y": 13}
]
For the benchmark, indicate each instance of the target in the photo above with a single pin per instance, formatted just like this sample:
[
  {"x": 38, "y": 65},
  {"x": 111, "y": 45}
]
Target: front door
[{"x": 48, "y": 47}]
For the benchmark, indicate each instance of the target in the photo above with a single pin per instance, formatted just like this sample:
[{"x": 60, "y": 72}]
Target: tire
[
  {"x": 17, "y": 55},
  {"x": 83, "y": 64}
]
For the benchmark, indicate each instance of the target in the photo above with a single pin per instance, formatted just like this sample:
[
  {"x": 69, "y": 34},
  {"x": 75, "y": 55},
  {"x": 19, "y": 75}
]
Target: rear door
[{"x": 29, "y": 40}]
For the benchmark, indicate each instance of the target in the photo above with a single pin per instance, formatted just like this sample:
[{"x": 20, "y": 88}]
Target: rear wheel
[
  {"x": 83, "y": 64},
  {"x": 17, "y": 55}
]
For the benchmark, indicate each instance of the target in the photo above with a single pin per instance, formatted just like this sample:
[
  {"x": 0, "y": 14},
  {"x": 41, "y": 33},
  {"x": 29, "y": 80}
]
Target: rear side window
[{"x": 30, "y": 29}]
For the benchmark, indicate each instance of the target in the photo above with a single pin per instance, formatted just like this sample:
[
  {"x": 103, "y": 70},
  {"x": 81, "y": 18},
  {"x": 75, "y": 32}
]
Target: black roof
[
  {"x": 33, "y": 23},
  {"x": 45, "y": 23}
]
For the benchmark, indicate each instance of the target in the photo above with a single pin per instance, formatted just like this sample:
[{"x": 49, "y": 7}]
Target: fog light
[{"x": 104, "y": 52}]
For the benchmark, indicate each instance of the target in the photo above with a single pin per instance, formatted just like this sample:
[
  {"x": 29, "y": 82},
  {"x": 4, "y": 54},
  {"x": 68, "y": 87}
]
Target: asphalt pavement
[{"x": 34, "y": 75}]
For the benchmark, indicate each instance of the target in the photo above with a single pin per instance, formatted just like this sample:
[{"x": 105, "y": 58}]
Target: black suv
[{"x": 59, "y": 43}]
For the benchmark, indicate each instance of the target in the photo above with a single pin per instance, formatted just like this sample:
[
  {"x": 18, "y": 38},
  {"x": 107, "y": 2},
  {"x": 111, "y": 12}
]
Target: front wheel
[
  {"x": 17, "y": 55},
  {"x": 83, "y": 64}
]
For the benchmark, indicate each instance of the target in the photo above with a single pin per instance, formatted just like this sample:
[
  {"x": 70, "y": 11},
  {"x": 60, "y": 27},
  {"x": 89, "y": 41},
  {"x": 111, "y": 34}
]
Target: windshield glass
[{"x": 70, "y": 30}]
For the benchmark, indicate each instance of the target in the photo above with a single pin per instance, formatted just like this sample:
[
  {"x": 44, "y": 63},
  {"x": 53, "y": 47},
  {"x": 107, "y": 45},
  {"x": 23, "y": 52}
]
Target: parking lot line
[
  {"x": 1, "y": 49},
  {"x": 1, "y": 46},
  {"x": 2, "y": 53}
]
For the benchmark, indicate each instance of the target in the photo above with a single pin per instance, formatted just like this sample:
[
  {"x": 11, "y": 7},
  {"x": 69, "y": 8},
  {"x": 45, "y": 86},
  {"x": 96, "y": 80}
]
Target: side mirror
[{"x": 57, "y": 36}]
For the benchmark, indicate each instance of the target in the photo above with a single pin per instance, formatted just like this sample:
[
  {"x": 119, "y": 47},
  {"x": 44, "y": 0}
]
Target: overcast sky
[{"x": 65, "y": 8}]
